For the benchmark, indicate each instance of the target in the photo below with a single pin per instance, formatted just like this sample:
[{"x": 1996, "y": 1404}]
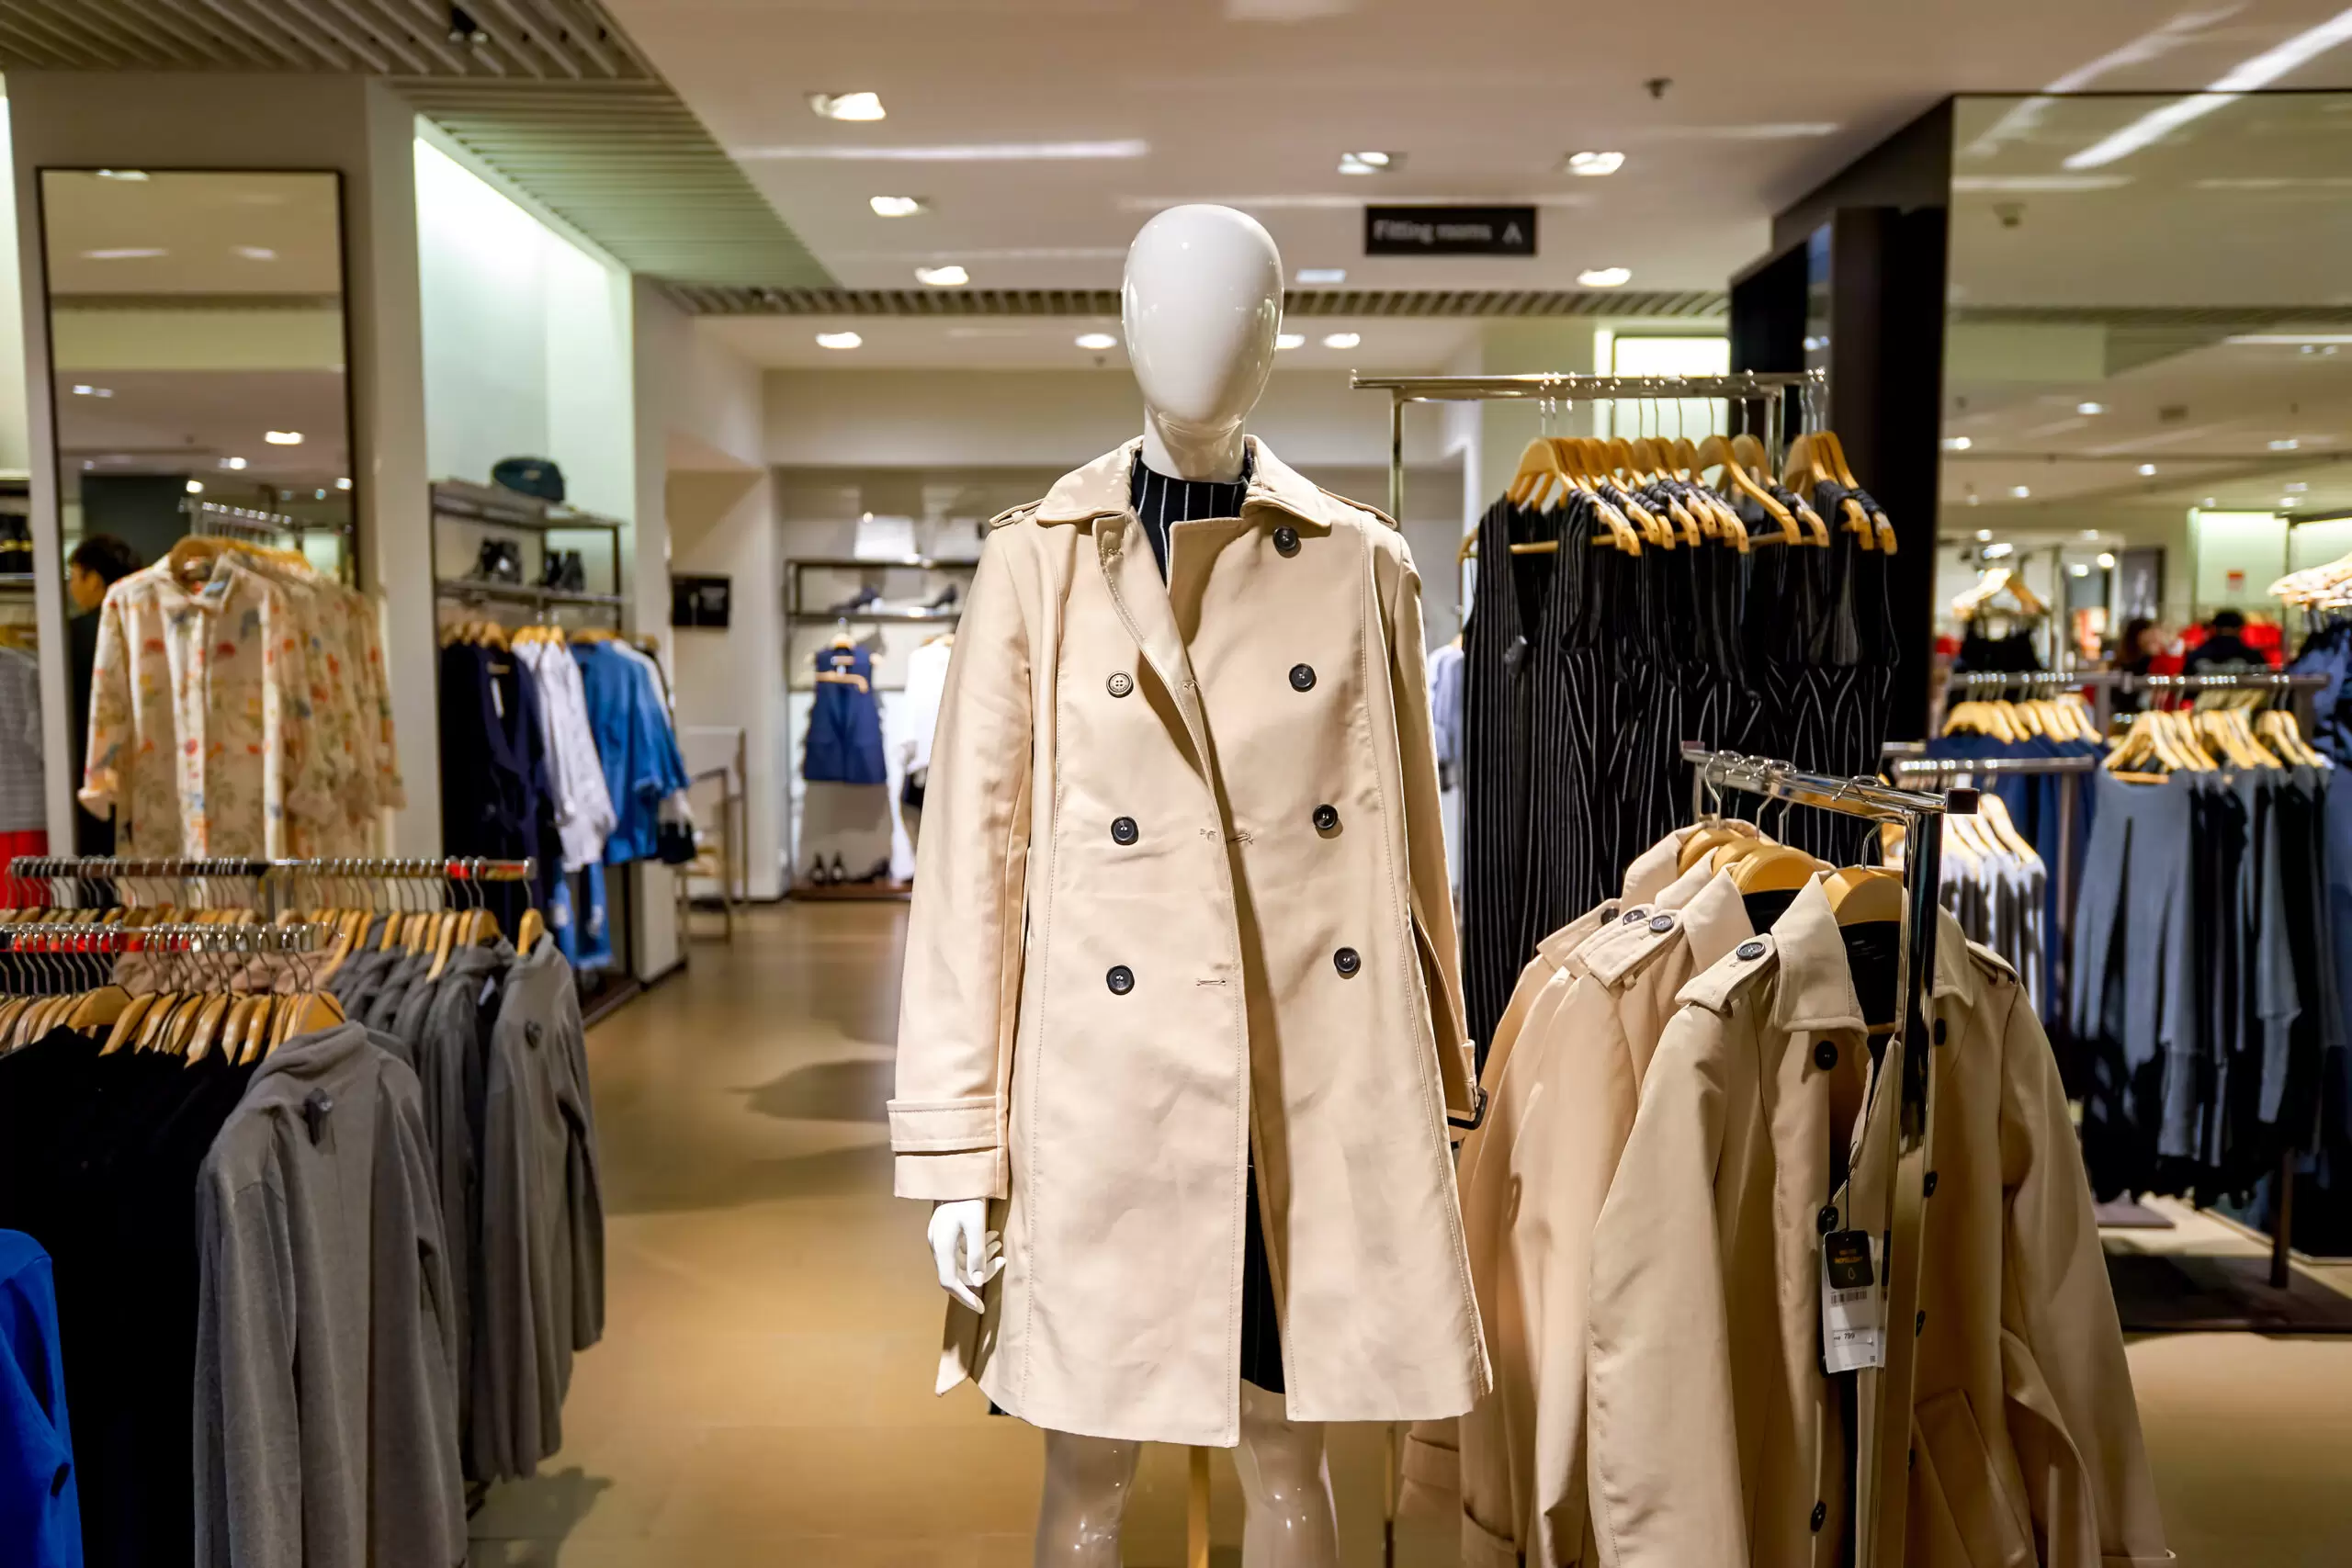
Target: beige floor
[{"x": 762, "y": 1393}]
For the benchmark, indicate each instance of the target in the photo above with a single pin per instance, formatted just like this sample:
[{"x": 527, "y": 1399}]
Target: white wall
[{"x": 16, "y": 439}]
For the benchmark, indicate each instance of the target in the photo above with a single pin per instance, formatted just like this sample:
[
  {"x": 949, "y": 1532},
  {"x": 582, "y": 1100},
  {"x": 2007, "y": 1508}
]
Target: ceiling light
[
  {"x": 2240, "y": 79},
  {"x": 195, "y": 487},
  {"x": 1097, "y": 342},
  {"x": 1370, "y": 163},
  {"x": 2106, "y": 561},
  {"x": 838, "y": 340},
  {"x": 2285, "y": 502},
  {"x": 1984, "y": 536},
  {"x": 343, "y": 483},
  {"x": 847, "y": 105},
  {"x": 953, "y": 152},
  {"x": 318, "y": 495},
  {"x": 2285, "y": 443},
  {"x": 2020, "y": 491},
  {"x": 86, "y": 391},
  {"x": 2298, "y": 488},
  {"x": 1606, "y": 277},
  {"x": 897, "y": 206},
  {"x": 283, "y": 437},
  {"x": 1342, "y": 340},
  {"x": 2286, "y": 340},
  {"x": 1994, "y": 552},
  {"x": 232, "y": 462},
  {"x": 2090, "y": 408},
  {"x": 2078, "y": 570},
  {"x": 2209, "y": 500},
  {"x": 122, "y": 173},
  {"x": 2091, "y": 534},
  {"x": 948, "y": 277},
  {"x": 1957, "y": 443},
  {"x": 1290, "y": 340},
  {"x": 1595, "y": 163},
  {"x": 253, "y": 252},
  {"x": 2147, "y": 470},
  {"x": 1974, "y": 499},
  {"x": 127, "y": 252},
  {"x": 1318, "y": 277}
]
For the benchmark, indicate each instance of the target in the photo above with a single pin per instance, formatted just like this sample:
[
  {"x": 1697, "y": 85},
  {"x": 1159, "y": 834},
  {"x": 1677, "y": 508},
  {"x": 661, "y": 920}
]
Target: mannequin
[{"x": 1202, "y": 304}]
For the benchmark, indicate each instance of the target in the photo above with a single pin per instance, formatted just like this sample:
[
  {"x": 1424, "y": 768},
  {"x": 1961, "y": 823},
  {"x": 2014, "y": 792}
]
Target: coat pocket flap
[{"x": 943, "y": 1127}]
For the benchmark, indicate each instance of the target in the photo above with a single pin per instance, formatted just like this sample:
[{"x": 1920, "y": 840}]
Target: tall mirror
[{"x": 197, "y": 346}]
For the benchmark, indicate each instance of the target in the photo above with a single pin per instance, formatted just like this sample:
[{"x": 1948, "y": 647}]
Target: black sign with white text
[{"x": 1449, "y": 230}]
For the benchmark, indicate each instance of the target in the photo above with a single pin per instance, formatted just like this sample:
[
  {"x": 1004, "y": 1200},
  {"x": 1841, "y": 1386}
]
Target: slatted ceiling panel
[
  {"x": 513, "y": 40},
  {"x": 629, "y": 167},
  {"x": 1357, "y": 303}
]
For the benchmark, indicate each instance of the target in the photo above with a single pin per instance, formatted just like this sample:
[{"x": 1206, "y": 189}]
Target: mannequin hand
[{"x": 968, "y": 1254}]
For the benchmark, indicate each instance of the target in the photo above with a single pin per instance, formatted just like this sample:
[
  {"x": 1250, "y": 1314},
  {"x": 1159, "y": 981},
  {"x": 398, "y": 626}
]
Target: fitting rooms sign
[{"x": 1449, "y": 230}]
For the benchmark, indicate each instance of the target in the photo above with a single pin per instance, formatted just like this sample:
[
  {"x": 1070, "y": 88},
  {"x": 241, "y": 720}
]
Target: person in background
[
  {"x": 96, "y": 564},
  {"x": 2135, "y": 651},
  {"x": 2224, "y": 650}
]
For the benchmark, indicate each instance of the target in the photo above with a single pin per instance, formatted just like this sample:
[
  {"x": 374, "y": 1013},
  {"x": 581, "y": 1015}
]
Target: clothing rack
[
  {"x": 47, "y": 938},
  {"x": 1884, "y": 1397},
  {"x": 276, "y": 880},
  {"x": 2104, "y": 684},
  {"x": 1740, "y": 387}
]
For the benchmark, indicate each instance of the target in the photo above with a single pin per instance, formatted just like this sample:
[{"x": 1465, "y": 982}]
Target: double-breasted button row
[
  {"x": 1325, "y": 818},
  {"x": 1347, "y": 961}
]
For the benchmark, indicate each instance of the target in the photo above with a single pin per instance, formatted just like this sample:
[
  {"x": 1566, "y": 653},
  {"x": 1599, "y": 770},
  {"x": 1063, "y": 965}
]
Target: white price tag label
[{"x": 1853, "y": 1306}]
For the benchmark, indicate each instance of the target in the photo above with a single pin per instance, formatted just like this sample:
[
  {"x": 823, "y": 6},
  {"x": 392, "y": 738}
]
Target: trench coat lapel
[{"x": 1141, "y": 599}]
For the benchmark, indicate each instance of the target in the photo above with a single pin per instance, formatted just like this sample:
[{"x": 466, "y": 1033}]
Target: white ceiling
[
  {"x": 182, "y": 232},
  {"x": 174, "y": 422},
  {"x": 1251, "y": 101}
]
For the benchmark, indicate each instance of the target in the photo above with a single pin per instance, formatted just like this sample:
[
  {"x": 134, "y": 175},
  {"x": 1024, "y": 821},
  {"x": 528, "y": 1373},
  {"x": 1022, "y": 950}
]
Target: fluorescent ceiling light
[
  {"x": 948, "y": 277},
  {"x": 847, "y": 105},
  {"x": 1289, "y": 340},
  {"x": 232, "y": 462},
  {"x": 2147, "y": 470},
  {"x": 838, "y": 340},
  {"x": 2240, "y": 79},
  {"x": 957, "y": 152},
  {"x": 343, "y": 483},
  {"x": 2298, "y": 488},
  {"x": 2021, "y": 491},
  {"x": 2286, "y": 503},
  {"x": 88, "y": 391},
  {"x": 253, "y": 252},
  {"x": 2078, "y": 570},
  {"x": 1595, "y": 163},
  {"x": 1606, "y": 277},
  {"x": 2285, "y": 443},
  {"x": 2286, "y": 340},
  {"x": 2091, "y": 534},
  {"x": 1097, "y": 342},
  {"x": 1342, "y": 340},
  {"x": 126, "y": 253},
  {"x": 122, "y": 173},
  {"x": 2037, "y": 184},
  {"x": 897, "y": 206},
  {"x": 1957, "y": 443},
  {"x": 195, "y": 487},
  {"x": 2090, "y": 408},
  {"x": 2106, "y": 561},
  {"x": 1313, "y": 277},
  {"x": 1984, "y": 536},
  {"x": 1370, "y": 163},
  {"x": 283, "y": 437}
]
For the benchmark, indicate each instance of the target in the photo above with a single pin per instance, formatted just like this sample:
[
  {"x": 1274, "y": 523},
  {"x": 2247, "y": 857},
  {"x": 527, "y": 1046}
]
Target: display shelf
[
  {"x": 493, "y": 506},
  {"x": 521, "y": 593},
  {"x": 852, "y": 891},
  {"x": 827, "y": 618}
]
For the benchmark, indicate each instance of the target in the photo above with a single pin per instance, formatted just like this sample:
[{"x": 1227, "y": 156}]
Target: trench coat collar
[
  {"x": 1101, "y": 487},
  {"x": 1661, "y": 864},
  {"x": 1816, "y": 990}
]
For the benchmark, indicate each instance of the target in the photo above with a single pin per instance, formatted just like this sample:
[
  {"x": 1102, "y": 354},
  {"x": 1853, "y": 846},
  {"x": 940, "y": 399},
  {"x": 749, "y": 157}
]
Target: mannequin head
[{"x": 1202, "y": 304}]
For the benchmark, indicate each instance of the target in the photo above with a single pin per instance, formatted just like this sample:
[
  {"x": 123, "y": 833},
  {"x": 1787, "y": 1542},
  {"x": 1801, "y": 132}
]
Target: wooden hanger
[
  {"x": 1706, "y": 841},
  {"x": 528, "y": 934},
  {"x": 1865, "y": 895},
  {"x": 1777, "y": 868},
  {"x": 1717, "y": 451}
]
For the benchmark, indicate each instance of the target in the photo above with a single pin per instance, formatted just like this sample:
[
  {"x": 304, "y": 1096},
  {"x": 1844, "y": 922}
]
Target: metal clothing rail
[
  {"x": 1884, "y": 1398},
  {"x": 2104, "y": 684},
  {"x": 108, "y": 868},
  {"x": 1744, "y": 386},
  {"x": 49, "y": 939}
]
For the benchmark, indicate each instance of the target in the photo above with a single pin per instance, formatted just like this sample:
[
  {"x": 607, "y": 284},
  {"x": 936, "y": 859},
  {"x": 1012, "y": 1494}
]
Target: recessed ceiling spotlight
[
  {"x": 898, "y": 206},
  {"x": 1606, "y": 277},
  {"x": 2090, "y": 534},
  {"x": 1342, "y": 340},
  {"x": 1957, "y": 443},
  {"x": 2021, "y": 491},
  {"x": 2106, "y": 561},
  {"x": 846, "y": 106},
  {"x": 1595, "y": 163},
  {"x": 2297, "y": 488},
  {"x": 195, "y": 487},
  {"x": 1974, "y": 499},
  {"x": 2078, "y": 570},
  {"x": 232, "y": 462},
  {"x": 2285, "y": 443},
  {"x": 838, "y": 340},
  {"x": 2090, "y": 408},
  {"x": 127, "y": 252},
  {"x": 344, "y": 483},
  {"x": 1289, "y": 340},
  {"x": 122, "y": 173},
  {"x": 2285, "y": 502},
  {"x": 1984, "y": 536},
  {"x": 1370, "y": 163},
  {"x": 948, "y": 277},
  {"x": 253, "y": 252},
  {"x": 2209, "y": 500},
  {"x": 1097, "y": 342},
  {"x": 1321, "y": 276},
  {"x": 2147, "y": 470},
  {"x": 283, "y": 437},
  {"x": 87, "y": 391}
]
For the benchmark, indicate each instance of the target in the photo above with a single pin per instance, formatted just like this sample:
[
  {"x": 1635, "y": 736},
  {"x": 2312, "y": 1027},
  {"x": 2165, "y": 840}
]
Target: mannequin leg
[
  {"x": 1285, "y": 1486},
  {"x": 1088, "y": 1480}
]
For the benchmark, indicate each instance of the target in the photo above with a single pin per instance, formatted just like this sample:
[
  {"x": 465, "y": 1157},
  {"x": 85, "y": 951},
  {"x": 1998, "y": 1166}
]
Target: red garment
[{"x": 20, "y": 892}]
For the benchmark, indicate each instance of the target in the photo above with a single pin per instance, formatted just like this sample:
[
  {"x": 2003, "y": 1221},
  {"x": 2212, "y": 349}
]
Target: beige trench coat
[
  {"x": 1714, "y": 1435},
  {"x": 1181, "y": 890}
]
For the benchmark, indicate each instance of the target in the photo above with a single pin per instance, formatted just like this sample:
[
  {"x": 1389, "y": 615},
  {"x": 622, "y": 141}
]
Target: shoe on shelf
[
  {"x": 865, "y": 596},
  {"x": 839, "y": 874},
  {"x": 881, "y": 872},
  {"x": 501, "y": 560},
  {"x": 817, "y": 878}
]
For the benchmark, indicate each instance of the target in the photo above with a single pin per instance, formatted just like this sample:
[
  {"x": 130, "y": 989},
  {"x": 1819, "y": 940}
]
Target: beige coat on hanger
[
  {"x": 1714, "y": 1432},
  {"x": 1182, "y": 888}
]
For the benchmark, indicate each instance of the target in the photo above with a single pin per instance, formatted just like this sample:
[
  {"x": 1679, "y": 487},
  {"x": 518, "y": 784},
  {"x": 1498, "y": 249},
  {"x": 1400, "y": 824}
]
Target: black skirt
[{"x": 1262, "y": 1329}]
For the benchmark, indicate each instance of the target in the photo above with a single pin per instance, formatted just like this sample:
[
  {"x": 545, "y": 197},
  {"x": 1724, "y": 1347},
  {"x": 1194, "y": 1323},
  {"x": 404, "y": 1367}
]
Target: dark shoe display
[
  {"x": 946, "y": 600},
  {"x": 840, "y": 873},
  {"x": 501, "y": 560},
  {"x": 866, "y": 596}
]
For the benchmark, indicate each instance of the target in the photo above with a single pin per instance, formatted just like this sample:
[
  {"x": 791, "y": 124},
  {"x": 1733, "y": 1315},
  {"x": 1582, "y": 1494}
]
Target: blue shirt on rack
[
  {"x": 635, "y": 742},
  {"x": 40, "y": 1507}
]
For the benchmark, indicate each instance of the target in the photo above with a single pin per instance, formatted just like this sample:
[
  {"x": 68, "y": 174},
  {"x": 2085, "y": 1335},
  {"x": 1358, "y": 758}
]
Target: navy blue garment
[
  {"x": 40, "y": 1507},
  {"x": 497, "y": 798},
  {"x": 844, "y": 726}
]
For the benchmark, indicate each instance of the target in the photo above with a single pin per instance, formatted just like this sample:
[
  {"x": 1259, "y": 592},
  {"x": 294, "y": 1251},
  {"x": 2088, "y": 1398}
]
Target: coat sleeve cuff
[
  {"x": 945, "y": 1127},
  {"x": 977, "y": 1173}
]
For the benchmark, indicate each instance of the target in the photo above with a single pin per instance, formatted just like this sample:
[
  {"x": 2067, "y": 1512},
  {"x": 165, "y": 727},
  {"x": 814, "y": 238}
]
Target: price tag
[{"x": 1853, "y": 1309}]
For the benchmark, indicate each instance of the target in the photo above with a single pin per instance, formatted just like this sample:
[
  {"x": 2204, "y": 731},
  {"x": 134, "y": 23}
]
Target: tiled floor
[{"x": 762, "y": 1393}]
